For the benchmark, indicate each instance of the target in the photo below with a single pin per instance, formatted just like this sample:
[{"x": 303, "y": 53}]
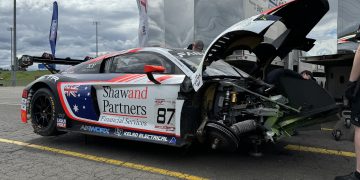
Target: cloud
[
  {"x": 118, "y": 28},
  {"x": 76, "y": 33}
]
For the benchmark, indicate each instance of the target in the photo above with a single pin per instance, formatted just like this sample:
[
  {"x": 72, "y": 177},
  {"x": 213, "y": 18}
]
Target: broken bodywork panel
[{"x": 264, "y": 105}]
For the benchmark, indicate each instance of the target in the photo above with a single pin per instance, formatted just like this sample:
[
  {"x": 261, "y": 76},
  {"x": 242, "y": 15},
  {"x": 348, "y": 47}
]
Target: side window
[
  {"x": 134, "y": 63},
  {"x": 85, "y": 68}
]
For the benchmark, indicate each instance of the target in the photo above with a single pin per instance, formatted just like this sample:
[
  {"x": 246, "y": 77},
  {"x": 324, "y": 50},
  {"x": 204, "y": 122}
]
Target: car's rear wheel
[{"x": 43, "y": 112}]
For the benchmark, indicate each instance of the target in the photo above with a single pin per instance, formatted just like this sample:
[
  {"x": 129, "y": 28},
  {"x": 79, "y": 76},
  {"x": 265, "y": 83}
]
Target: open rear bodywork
[{"x": 263, "y": 105}]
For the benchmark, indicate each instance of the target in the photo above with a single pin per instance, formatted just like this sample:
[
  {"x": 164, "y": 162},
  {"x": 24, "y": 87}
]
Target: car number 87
[{"x": 161, "y": 115}]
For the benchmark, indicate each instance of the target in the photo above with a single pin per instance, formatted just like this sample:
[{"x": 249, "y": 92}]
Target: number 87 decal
[{"x": 161, "y": 115}]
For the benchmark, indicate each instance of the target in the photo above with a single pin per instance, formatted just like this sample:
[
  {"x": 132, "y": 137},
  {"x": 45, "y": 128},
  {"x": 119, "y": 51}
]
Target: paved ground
[{"x": 19, "y": 161}]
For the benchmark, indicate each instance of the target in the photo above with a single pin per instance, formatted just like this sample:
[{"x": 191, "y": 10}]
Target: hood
[{"x": 271, "y": 34}]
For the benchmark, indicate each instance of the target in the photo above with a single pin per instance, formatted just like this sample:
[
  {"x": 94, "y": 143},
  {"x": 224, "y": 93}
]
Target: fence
[{"x": 6, "y": 83}]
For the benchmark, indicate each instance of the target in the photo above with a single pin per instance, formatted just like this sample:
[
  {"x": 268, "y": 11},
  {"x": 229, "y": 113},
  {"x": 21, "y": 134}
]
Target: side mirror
[{"x": 149, "y": 69}]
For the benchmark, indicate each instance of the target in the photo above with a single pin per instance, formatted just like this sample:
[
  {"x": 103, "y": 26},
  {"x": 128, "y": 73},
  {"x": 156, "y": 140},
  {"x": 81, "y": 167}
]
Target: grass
[{"x": 22, "y": 77}]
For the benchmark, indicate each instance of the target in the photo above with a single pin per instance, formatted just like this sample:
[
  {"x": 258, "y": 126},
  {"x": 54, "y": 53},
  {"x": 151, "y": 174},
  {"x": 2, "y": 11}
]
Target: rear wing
[{"x": 47, "y": 60}]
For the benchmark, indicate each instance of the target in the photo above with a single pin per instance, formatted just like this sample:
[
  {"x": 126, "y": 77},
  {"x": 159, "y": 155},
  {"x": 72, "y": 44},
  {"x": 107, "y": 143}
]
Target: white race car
[{"x": 176, "y": 97}]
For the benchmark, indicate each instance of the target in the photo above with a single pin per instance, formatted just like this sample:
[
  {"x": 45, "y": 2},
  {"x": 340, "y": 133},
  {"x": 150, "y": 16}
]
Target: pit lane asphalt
[{"x": 21, "y": 162}]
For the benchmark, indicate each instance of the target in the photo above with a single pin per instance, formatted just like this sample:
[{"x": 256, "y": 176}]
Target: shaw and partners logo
[
  {"x": 95, "y": 129},
  {"x": 111, "y": 105},
  {"x": 125, "y": 94}
]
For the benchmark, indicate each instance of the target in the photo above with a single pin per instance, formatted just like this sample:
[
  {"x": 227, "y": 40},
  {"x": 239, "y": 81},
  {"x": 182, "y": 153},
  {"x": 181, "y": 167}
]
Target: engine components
[
  {"x": 243, "y": 127},
  {"x": 226, "y": 138}
]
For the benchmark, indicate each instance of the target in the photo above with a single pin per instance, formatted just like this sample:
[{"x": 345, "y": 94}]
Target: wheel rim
[{"x": 42, "y": 111}]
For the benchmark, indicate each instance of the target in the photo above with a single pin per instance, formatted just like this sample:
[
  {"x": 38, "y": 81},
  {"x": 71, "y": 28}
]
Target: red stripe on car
[
  {"x": 136, "y": 77},
  {"x": 120, "y": 78},
  {"x": 163, "y": 78},
  {"x": 134, "y": 50}
]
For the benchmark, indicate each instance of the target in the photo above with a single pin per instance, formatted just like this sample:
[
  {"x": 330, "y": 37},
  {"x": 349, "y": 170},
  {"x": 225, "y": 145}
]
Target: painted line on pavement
[
  {"x": 107, "y": 160},
  {"x": 319, "y": 150},
  {"x": 327, "y": 129},
  {"x": 10, "y": 104}
]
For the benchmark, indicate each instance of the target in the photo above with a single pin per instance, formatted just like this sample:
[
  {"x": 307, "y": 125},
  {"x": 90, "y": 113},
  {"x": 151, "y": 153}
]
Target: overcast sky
[
  {"x": 118, "y": 27},
  {"x": 76, "y": 33}
]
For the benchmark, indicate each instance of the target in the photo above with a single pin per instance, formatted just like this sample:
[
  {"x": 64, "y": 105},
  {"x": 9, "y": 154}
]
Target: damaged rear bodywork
[{"x": 262, "y": 106}]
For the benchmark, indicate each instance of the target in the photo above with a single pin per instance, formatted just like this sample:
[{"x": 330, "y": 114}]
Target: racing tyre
[{"x": 42, "y": 109}]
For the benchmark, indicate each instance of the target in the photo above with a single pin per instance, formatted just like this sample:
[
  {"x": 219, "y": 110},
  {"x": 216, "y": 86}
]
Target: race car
[
  {"x": 177, "y": 97},
  {"x": 349, "y": 42}
]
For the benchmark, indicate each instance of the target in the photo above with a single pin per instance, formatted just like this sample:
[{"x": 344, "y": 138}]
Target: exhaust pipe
[{"x": 243, "y": 127}]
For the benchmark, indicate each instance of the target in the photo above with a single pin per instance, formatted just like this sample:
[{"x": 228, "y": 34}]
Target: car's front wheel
[{"x": 43, "y": 112}]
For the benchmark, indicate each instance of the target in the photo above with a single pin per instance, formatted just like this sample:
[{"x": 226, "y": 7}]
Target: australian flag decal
[{"x": 80, "y": 101}]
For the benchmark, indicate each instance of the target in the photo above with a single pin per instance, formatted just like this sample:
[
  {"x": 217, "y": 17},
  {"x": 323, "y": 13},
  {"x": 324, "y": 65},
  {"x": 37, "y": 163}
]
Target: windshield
[{"x": 191, "y": 59}]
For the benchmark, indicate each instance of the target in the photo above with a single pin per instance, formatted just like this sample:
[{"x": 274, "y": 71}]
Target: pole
[
  {"x": 96, "y": 23},
  {"x": 15, "y": 63},
  {"x": 97, "y": 46},
  {"x": 11, "y": 55},
  {"x": 11, "y": 45}
]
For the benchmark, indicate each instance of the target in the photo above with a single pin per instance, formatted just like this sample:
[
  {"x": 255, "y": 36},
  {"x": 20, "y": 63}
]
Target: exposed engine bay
[
  {"x": 250, "y": 110},
  {"x": 267, "y": 104}
]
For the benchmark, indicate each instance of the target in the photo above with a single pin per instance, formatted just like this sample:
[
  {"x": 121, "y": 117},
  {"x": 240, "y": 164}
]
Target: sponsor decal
[
  {"x": 52, "y": 78},
  {"x": 71, "y": 90},
  {"x": 125, "y": 94},
  {"x": 119, "y": 132},
  {"x": 91, "y": 66},
  {"x": 165, "y": 127},
  {"x": 137, "y": 108},
  {"x": 190, "y": 53},
  {"x": 116, "y": 107},
  {"x": 122, "y": 120},
  {"x": 80, "y": 101},
  {"x": 145, "y": 136},
  {"x": 159, "y": 102},
  {"x": 163, "y": 102},
  {"x": 196, "y": 79},
  {"x": 61, "y": 122},
  {"x": 95, "y": 129},
  {"x": 120, "y": 108},
  {"x": 173, "y": 140},
  {"x": 23, "y": 103}
]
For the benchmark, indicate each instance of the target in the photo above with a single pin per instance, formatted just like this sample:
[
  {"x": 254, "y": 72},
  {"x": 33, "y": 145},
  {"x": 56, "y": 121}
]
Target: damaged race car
[{"x": 176, "y": 97}]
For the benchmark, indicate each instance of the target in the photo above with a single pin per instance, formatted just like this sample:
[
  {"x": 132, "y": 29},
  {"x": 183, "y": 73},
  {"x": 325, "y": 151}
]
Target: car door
[{"x": 134, "y": 105}]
